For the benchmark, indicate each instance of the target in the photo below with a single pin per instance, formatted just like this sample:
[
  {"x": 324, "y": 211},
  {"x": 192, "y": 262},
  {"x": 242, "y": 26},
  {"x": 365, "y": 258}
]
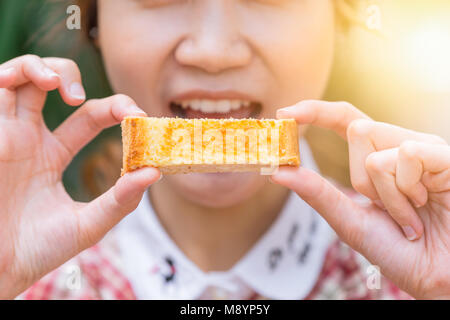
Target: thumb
[
  {"x": 341, "y": 213},
  {"x": 100, "y": 215}
]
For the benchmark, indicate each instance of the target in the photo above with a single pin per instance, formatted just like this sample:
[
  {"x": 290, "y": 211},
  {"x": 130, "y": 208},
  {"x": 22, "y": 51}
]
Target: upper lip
[{"x": 213, "y": 95}]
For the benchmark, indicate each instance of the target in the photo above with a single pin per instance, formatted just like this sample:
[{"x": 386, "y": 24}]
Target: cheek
[
  {"x": 310, "y": 73},
  {"x": 301, "y": 60},
  {"x": 133, "y": 56}
]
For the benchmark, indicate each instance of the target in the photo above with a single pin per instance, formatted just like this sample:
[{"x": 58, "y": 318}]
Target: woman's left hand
[{"x": 405, "y": 230}]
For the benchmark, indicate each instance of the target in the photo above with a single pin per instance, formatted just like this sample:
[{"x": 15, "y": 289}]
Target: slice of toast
[{"x": 176, "y": 145}]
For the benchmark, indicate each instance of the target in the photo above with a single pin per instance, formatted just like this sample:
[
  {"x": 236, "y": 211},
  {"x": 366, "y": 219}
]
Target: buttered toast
[{"x": 177, "y": 145}]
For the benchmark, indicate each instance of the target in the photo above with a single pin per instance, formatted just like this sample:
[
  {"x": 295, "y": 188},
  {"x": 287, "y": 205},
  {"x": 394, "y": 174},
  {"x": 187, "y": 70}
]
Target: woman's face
[{"x": 217, "y": 58}]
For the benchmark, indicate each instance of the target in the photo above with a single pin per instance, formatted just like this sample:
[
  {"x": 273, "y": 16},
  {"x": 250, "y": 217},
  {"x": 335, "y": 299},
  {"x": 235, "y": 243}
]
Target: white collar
[{"x": 283, "y": 264}]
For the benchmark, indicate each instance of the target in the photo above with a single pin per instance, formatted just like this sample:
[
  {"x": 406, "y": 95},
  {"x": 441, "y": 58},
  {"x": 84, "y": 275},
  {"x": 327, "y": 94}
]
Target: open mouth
[{"x": 216, "y": 109}]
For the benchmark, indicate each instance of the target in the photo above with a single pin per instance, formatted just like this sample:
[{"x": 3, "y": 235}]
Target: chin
[{"x": 216, "y": 190}]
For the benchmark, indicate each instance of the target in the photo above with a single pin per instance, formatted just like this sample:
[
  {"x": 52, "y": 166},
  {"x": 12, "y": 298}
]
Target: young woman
[{"x": 215, "y": 235}]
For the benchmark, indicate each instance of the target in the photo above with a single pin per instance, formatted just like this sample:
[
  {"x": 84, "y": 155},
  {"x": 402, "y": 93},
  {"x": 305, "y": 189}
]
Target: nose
[{"x": 214, "y": 43}]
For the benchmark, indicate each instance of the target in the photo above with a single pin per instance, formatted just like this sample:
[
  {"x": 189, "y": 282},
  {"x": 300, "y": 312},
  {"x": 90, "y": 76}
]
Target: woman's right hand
[{"x": 41, "y": 227}]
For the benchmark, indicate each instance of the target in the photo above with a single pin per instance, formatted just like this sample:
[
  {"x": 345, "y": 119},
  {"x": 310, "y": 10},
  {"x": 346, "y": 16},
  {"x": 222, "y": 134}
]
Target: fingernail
[
  {"x": 279, "y": 175},
  {"x": 288, "y": 109},
  {"x": 76, "y": 91},
  {"x": 285, "y": 110},
  {"x": 50, "y": 73},
  {"x": 409, "y": 233},
  {"x": 136, "y": 109},
  {"x": 417, "y": 204}
]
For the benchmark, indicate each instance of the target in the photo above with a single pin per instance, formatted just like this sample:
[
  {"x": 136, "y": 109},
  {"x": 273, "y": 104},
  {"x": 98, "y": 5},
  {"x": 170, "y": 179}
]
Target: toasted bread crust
[{"x": 225, "y": 145}]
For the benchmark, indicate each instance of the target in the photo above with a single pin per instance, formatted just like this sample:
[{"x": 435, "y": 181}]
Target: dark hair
[{"x": 89, "y": 17}]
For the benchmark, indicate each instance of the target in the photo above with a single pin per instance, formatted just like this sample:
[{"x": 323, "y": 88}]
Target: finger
[
  {"x": 7, "y": 77},
  {"x": 100, "y": 215},
  {"x": 7, "y": 103},
  {"x": 94, "y": 116},
  {"x": 365, "y": 137},
  {"x": 359, "y": 147},
  {"x": 437, "y": 182},
  {"x": 381, "y": 167},
  {"x": 387, "y": 136},
  {"x": 415, "y": 158},
  {"x": 31, "y": 99},
  {"x": 336, "y": 208},
  {"x": 335, "y": 116},
  {"x": 71, "y": 88},
  {"x": 28, "y": 68}
]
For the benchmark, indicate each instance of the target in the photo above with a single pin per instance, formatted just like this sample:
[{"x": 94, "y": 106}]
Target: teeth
[
  {"x": 223, "y": 106},
  {"x": 207, "y": 106},
  {"x": 235, "y": 104},
  {"x": 213, "y": 106},
  {"x": 195, "y": 104}
]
